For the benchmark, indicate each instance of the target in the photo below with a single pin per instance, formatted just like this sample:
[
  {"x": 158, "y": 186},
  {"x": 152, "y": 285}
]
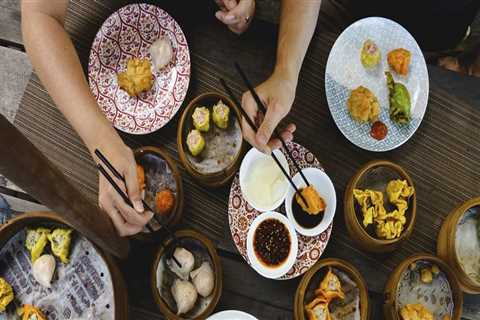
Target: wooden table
[{"x": 442, "y": 157}]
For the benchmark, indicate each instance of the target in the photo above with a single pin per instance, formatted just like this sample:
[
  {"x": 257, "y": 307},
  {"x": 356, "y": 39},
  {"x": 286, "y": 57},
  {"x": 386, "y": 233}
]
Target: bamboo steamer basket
[
  {"x": 216, "y": 179},
  {"x": 389, "y": 306},
  {"x": 15, "y": 225},
  {"x": 385, "y": 170},
  {"x": 215, "y": 264},
  {"x": 446, "y": 245},
  {"x": 308, "y": 277}
]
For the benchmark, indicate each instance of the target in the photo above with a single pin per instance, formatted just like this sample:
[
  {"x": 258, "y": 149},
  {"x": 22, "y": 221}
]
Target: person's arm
[
  {"x": 297, "y": 24},
  {"x": 56, "y": 62}
]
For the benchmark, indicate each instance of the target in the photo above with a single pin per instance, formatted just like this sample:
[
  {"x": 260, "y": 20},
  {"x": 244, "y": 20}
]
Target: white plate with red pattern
[
  {"x": 241, "y": 216},
  {"x": 128, "y": 33}
]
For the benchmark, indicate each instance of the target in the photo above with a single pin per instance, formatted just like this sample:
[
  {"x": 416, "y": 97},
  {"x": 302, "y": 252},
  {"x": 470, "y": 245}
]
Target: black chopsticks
[{"x": 254, "y": 128}]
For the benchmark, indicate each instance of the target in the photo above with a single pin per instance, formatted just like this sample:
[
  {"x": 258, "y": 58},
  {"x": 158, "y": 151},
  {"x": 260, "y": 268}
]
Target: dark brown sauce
[
  {"x": 304, "y": 219},
  {"x": 271, "y": 242}
]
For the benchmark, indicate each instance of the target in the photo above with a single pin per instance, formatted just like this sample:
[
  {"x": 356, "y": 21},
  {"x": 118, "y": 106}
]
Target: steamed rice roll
[
  {"x": 195, "y": 142},
  {"x": 201, "y": 119},
  {"x": 220, "y": 115}
]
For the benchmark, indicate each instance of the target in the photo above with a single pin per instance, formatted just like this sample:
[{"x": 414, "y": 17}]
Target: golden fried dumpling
[
  {"x": 35, "y": 241},
  {"x": 6, "y": 294},
  {"x": 29, "y": 312},
  {"x": 399, "y": 189},
  {"x": 371, "y": 202},
  {"x": 399, "y": 60},
  {"x": 426, "y": 275},
  {"x": 60, "y": 240},
  {"x": 137, "y": 78},
  {"x": 318, "y": 309},
  {"x": 363, "y": 105},
  {"x": 415, "y": 311},
  {"x": 330, "y": 287},
  {"x": 315, "y": 202}
]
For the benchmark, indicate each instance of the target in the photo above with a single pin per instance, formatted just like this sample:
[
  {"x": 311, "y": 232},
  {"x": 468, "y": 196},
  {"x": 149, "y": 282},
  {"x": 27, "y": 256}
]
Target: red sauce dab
[{"x": 379, "y": 130}]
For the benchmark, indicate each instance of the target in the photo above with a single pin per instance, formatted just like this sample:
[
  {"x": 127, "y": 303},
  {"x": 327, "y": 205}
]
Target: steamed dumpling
[
  {"x": 203, "y": 279},
  {"x": 185, "y": 295},
  {"x": 161, "y": 52},
  {"x": 187, "y": 261},
  {"x": 43, "y": 269}
]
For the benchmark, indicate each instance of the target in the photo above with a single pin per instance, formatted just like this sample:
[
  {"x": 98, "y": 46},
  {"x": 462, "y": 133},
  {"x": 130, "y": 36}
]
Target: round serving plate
[
  {"x": 241, "y": 216},
  {"x": 128, "y": 33},
  {"x": 231, "y": 315},
  {"x": 89, "y": 287},
  {"x": 344, "y": 72}
]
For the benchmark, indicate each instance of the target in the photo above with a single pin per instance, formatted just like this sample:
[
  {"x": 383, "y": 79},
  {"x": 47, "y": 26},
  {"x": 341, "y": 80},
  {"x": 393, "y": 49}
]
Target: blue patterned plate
[{"x": 345, "y": 72}]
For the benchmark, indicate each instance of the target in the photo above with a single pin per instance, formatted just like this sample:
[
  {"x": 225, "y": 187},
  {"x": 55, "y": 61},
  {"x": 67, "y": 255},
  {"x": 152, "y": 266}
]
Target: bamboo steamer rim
[
  {"x": 391, "y": 287},
  {"x": 14, "y": 225},
  {"x": 350, "y": 204},
  {"x": 345, "y": 266},
  {"x": 217, "y": 267},
  {"x": 452, "y": 222},
  {"x": 215, "y": 178}
]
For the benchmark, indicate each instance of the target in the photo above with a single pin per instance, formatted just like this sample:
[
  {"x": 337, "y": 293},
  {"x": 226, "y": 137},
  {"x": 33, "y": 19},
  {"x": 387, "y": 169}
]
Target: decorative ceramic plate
[
  {"x": 128, "y": 33},
  {"x": 231, "y": 315},
  {"x": 345, "y": 72},
  {"x": 241, "y": 216}
]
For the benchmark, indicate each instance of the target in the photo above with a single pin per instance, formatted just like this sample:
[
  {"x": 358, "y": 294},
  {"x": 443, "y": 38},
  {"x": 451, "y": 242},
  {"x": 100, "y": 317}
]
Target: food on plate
[
  {"x": 195, "y": 142},
  {"x": 6, "y": 294},
  {"x": 399, "y": 60},
  {"x": 467, "y": 243},
  {"x": 165, "y": 201},
  {"x": 399, "y": 98},
  {"x": 186, "y": 260},
  {"x": 415, "y": 311},
  {"x": 265, "y": 183},
  {"x": 201, "y": 119},
  {"x": 137, "y": 78},
  {"x": 220, "y": 114},
  {"x": 370, "y": 54},
  {"x": 379, "y": 130},
  {"x": 318, "y": 309},
  {"x": 185, "y": 295},
  {"x": 29, "y": 312},
  {"x": 330, "y": 287},
  {"x": 60, "y": 240},
  {"x": 363, "y": 105},
  {"x": 203, "y": 279},
  {"x": 43, "y": 269},
  {"x": 35, "y": 241},
  {"x": 161, "y": 52},
  {"x": 271, "y": 242},
  {"x": 426, "y": 275},
  {"x": 315, "y": 203}
]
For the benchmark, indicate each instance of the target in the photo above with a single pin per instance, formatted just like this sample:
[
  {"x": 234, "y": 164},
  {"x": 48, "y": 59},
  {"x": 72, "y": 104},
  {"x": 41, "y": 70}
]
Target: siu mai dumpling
[
  {"x": 201, "y": 119},
  {"x": 186, "y": 260},
  {"x": 195, "y": 142},
  {"x": 35, "y": 241},
  {"x": 220, "y": 115},
  {"x": 318, "y": 309},
  {"x": 60, "y": 240},
  {"x": 203, "y": 279},
  {"x": 330, "y": 287},
  {"x": 185, "y": 295}
]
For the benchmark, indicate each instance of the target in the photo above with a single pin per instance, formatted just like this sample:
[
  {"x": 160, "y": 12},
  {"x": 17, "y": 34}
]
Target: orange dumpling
[
  {"x": 330, "y": 287},
  {"x": 318, "y": 309}
]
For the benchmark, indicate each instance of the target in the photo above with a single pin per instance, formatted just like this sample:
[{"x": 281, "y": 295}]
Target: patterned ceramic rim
[
  {"x": 241, "y": 216},
  {"x": 128, "y": 33},
  {"x": 386, "y": 32}
]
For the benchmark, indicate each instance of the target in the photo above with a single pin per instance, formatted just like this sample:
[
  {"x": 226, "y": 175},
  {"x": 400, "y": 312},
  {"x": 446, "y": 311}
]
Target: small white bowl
[
  {"x": 263, "y": 270},
  {"x": 247, "y": 163},
  {"x": 324, "y": 187}
]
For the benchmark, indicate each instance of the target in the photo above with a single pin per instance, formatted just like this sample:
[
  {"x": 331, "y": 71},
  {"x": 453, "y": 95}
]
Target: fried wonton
[
  {"x": 137, "y": 78},
  {"x": 315, "y": 202},
  {"x": 318, "y": 309},
  {"x": 330, "y": 287},
  {"x": 363, "y": 105},
  {"x": 415, "y": 312}
]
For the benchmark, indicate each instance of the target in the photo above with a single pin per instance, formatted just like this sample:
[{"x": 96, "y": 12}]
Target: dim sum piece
[
  {"x": 220, "y": 115},
  {"x": 60, "y": 240},
  {"x": 399, "y": 60},
  {"x": 29, "y": 312},
  {"x": 35, "y": 241},
  {"x": 43, "y": 269},
  {"x": 6, "y": 294},
  {"x": 185, "y": 295},
  {"x": 363, "y": 105},
  {"x": 399, "y": 99},
  {"x": 370, "y": 54},
  {"x": 186, "y": 260},
  {"x": 195, "y": 142},
  {"x": 201, "y": 119},
  {"x": 137, "y": 78},
  {"x": 330, "y": 287},
  {"x": 161, "y": 52},
  {"x": 315, "y": 203},
  {"x": 203, "y": 279},
  {"x": 426, "y": 275},
  {"x": 318, "y": 309},
  {"x": 165, "y": 201},
  {"x": 415, "y": 311}
]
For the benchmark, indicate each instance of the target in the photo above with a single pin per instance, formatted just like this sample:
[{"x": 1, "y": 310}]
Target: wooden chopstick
[
  {"x": 264, "y": 110},
  {"x": 254, "y": 128}
]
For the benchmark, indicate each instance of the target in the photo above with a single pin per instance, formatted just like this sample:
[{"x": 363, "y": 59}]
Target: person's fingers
[
  {"x": 133, "y": 188},
  {"x": 226, "y": 17},
  {"x": 287, "y": 136},
  {"x": 123, "y": 228},
  {"x": 274, "y": 144},
  {"x": 230, "y": 4},
  {"x": 250, "y": 107},
  {"x": 291, "y": 128},
  {"x": 271, "y": 121},
  {"x": 129, "y": 214}
]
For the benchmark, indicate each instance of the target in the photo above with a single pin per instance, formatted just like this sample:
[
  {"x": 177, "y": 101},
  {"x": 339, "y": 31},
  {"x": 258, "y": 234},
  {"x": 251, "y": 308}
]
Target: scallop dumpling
[
  {"x": 203, "y": 279},
  {"x": 185, "y": 295},
  {"x": 43, "y": 269},
  {"x": 161, "y": 52},
  {"x": 186, "y": 260}
]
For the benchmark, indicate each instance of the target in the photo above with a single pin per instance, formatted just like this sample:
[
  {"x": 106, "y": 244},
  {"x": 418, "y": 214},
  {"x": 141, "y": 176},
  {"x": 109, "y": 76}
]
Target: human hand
[
  {"x": 127, "y": 220},
  {"x": 277, "y": 94},
  {"x": 237, "y": 15}
]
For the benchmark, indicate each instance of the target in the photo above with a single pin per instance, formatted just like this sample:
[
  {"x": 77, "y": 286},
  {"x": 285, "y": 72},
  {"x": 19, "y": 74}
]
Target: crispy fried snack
[
  {"x": 30, "y": 312},
  {"x": 399, "y": 60},
  {"x": 137, "y": 78},
  {"x": 318, "y": 309},
  {"x": 330, "y": 287},
  {"x": 363, "y": 105},
  {"x": 6, "y": 294},
  {"x": 315, "y": 202},
  {"x": 165, "y": 201},
  {"x": 415, "y": 312}
]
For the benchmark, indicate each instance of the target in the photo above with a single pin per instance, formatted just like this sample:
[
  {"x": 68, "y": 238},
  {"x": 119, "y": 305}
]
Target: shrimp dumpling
[
  {"x": 43, "y": 269},
  {"x": 185, "y": 295},
  {"x": 186, "y": 260},
  {"x": 203, "y": 279}
]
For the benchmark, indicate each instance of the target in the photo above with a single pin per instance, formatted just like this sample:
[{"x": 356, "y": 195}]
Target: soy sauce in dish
[
  {"x": 307, "y": 221},
  {"x": 271, "y": 242}
]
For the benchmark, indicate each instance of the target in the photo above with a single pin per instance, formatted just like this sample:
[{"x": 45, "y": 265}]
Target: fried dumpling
[
  {"x": 35, "y": 241},
  {"x": 187, "y": 261},
  {"x": 399, "y": 60},
  {"x": 60, "y": 240},
  {"x": 315, "y": 203},
  {"x": 318, "y": 309},
  {"x": 363, "y": 105},
  {"x": 201, "y": 119},
  {"x": 220, "y": 115},
  {"x": 29, "y": 312},
  {"x": 137, "y": 78},
  {"x": 415, "y": 311},
  {"x": 185, "y": 295},
  {"x": 6, "y": 294},
  {"x": 330, "y": 287},
  {"x": 203, "y": 279},
  {"x": 43, "y": 269}
]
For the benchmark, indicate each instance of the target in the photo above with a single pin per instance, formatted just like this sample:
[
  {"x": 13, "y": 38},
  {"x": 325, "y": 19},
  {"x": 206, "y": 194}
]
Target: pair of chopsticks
[
  {"x": 125, "y": 198},
  {"x": 252, "y": 125}
]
